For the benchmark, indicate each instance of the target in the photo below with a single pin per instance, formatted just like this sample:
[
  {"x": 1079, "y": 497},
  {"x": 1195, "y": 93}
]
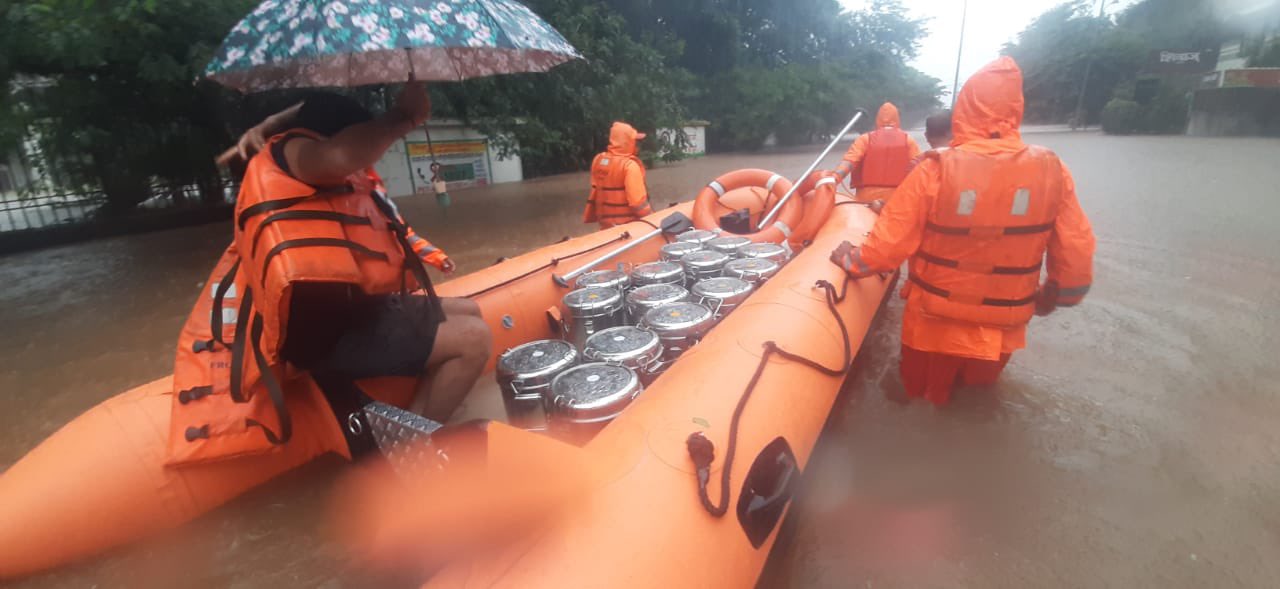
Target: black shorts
[
  {"x": 390, "y": 335},
  {"x": 365, "y": 336}
]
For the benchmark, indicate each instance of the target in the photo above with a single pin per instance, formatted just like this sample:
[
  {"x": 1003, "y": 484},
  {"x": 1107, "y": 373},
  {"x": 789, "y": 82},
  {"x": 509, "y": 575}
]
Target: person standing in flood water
[
  {"x": 315, "y": 287},
  {"x": 977, "y": 222},
  {"x": 618, "y": 191},
  {"x": 878, "y": 161}
]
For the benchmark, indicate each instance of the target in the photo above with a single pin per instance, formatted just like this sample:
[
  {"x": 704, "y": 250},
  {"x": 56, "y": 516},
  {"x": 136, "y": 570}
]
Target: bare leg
[{"x": 461, "y": 350}]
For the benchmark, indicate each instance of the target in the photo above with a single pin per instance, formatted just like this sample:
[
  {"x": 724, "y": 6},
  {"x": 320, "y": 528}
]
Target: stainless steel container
[
  {"x": 672, "y": 252},
  {"x": 652, "y": 296},
  {"x": 679, "y": 326},
  {"x": 702, "y": 265},
  {"x": 658, "y": 273},
  {"x": 633, "y": 347},
  {"x": 723, "y": 294},
  {"x": 585, "y": 398},
  {"x": 753, "y": 270},
  {"x": 592, "y": 310},
  {"x": 525, "y": 372},
  {"x": 728, "y": 244},
  {"x": 698, "y": 236},
  {"x": 768, "y": 251},
  {"x": 605, "y": 279}
]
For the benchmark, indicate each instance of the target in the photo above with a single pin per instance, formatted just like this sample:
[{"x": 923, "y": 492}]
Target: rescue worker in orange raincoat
[
  {"x": 976, "y": 223},
  {"x": 323, "y": 285},
  {"x": 878, "y": 161},
  {"x": 618, "y": 191}
]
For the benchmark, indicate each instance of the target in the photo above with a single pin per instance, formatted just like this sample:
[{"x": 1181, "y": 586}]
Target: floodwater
[{"x": 1135, "y": 442}]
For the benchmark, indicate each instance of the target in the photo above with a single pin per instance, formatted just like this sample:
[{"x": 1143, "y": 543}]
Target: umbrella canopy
[{"x": 311, "y": 43}]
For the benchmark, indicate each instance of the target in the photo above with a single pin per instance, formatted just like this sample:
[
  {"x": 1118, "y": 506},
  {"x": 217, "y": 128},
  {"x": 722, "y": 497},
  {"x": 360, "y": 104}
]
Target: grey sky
[{"x": 991, "y": 23}]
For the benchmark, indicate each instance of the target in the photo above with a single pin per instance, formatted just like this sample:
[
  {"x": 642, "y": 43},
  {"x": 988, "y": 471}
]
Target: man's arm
[
  {"x": 899, "y": 229},
  {"x": 329, "y": 161},
  {"x": 637, "y": 192},
  {"x": 1070, "y": 253},
  {"x": 853, "y": 157},
  {"x": 428, "y": 252}
]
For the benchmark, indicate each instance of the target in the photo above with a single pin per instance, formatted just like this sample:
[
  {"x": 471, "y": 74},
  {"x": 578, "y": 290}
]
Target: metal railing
[{"x": 27, "y": 212}]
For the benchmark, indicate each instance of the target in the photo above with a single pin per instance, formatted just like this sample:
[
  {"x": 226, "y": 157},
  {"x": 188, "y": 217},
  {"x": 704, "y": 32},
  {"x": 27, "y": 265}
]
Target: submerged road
[{"x": 1135, "y": 442}]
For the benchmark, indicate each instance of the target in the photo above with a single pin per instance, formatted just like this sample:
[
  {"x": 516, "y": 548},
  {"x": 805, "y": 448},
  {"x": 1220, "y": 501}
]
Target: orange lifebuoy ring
[
  {"x": 704, "y": 207},
  {"x": 818, "y": 193}
]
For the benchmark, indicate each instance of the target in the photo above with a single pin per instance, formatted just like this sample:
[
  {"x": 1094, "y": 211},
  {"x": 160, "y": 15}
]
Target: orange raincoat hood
[
  {"x": 623, "y": 138},
  {"x": 888, "y": 116},
  {"x": 990, "y": 104}
]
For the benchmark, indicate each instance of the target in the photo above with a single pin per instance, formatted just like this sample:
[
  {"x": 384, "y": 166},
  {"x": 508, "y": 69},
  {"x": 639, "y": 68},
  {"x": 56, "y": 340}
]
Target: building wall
[
  {"x": 695, "y": 133},
  {"x": 468, "y": 157},
  {"x": 1238, "y": 111}
]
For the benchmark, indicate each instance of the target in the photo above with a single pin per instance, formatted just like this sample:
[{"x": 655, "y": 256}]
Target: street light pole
[
  {"x": 955, "y": 83},
  {"x": 1088, "y": 66}
]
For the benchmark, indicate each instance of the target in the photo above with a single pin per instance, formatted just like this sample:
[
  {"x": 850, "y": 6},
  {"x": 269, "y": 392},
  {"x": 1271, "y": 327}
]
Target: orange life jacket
[
  {"x": 229, "y": 379},
  {"x": 608, "y": 202},
  {"x": 985, "y": 238},
  {"x": 887, "y": 161}
]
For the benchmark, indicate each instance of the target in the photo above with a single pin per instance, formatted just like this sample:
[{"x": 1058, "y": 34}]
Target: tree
[
  {"x": 1054, "y": 50},
  {"x": 109, "y": 91}
]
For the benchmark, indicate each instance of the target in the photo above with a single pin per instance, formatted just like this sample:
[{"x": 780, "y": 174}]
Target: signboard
[
  {"x": 1252, "y": 77},
  {"x": 462, "y": 163},
  {"x": 1167, "y": 61}
]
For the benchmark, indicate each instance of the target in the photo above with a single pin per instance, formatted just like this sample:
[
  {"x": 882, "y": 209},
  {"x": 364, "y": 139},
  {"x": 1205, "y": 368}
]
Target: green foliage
[
  {"x": 1061, "y": 44},
  {"x": 1165, "y": 114},
  {"x": 1269, "y": 56},
  {"x": 108, "y": 90},
  {"x": 560, "y": 119},
  {"x": 1121, "y": 117},
  {"x": 106, "y": 87}
]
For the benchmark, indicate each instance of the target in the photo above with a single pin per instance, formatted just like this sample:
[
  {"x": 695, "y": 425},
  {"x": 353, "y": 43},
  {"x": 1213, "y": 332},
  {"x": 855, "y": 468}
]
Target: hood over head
[
  {"x": 888, "y": 116},
  {"x": 623, "y": 139},
  {"x": 990, "y": 104}
]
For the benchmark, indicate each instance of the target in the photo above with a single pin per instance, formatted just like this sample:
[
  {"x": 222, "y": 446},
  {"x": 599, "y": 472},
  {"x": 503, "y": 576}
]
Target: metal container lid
[
  {"x": 625, "y": 342},
  {"x": 604, "y": 279},
  {"x": 679, "y": 249},
  {"x": 771, "y": 251},
  {"x": 697, "y": 236},
  {"x": 705, "y": 260},
  {"x": 728, "y": 244},
  {"x": 593, "y": 392},
  {"x": 593, "y": 299},
  {"x": 537, "y": 359},
  {"x": 653, "y": 295},
  {"x": 752, "y": 268},
  {"x": 676, "y": 317},
  {"x": 721, "y": 288},
  {"x": 657, "y": 271}
]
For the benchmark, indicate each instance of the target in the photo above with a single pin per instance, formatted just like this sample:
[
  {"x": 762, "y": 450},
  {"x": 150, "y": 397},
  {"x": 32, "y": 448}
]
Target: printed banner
[{"x": 463, "y": 164}]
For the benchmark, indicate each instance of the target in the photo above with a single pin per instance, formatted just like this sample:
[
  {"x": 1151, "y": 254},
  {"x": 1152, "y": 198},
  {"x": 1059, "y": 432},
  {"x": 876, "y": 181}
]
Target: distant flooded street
[{"x": 1135, "y": 442}]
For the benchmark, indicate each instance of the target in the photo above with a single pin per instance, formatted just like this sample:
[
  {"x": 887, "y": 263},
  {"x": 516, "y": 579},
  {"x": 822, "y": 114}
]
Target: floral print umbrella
[{"x": 310, "y": 43}]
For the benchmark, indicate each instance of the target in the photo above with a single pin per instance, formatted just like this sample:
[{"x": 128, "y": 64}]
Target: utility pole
[
  {"x": 1088, "y": 66},
  {"x": 955, "y": 83}
]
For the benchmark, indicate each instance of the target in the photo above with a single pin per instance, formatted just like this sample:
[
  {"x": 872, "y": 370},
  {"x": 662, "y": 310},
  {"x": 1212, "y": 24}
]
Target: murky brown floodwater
[{"x": 1134, "y": 443}]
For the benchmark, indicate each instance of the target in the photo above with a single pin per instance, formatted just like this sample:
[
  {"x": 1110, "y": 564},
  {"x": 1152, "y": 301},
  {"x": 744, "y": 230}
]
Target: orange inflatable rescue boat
[{"x": 704, "y": 460}]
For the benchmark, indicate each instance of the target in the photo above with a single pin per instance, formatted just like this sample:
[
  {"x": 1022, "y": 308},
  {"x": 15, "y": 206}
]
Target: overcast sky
[{"x": 991, "y": 23}]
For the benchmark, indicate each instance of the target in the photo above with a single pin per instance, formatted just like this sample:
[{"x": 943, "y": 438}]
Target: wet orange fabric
[
  {"x": 987, "y": 115},
  {"x": 886, "y": 118},
  {"x": 618, "y": 191}
]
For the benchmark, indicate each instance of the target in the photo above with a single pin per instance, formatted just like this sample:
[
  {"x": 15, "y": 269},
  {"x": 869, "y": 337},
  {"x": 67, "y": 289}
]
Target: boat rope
[
  {"x": 551, "y": 264},
  {"x": 702, "y": 451}
]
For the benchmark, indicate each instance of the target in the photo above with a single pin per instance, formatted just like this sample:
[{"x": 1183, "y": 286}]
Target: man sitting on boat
[
  {"x": 320, "y": 282},
  {"x": 977, "y": 222},
  {"x": 618, "y": 192}
]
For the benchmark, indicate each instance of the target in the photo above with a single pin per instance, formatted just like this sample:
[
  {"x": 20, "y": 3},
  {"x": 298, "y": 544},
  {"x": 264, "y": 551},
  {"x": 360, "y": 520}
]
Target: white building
[{"x": 467, "y": 158}]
